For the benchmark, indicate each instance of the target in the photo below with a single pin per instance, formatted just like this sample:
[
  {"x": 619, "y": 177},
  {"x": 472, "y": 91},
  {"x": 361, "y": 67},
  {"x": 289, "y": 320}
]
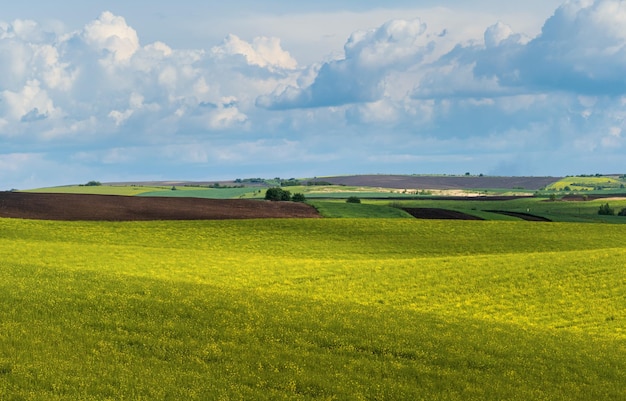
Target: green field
[
  {"x": 124, "y": 190},
  {"x": 225, "y": 192},
  {"x": 341, "y": 209},
  {"x": 141, "y": 190},
  {"x": 559, "y": 210},
  {"x": 593, "y": 184},
  {"x": 323, "y": 309},
  {"x": 209, "y": 193}
]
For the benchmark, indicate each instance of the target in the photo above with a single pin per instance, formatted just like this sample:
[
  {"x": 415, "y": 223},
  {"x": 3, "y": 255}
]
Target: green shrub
[
  {"x": 298, "y": 197},
  {"x": 606, "y": 210},
  {"x": 277, "y": 194},
  {"x": 353, "y": 199},
  {"x": 622, "y": 212}
]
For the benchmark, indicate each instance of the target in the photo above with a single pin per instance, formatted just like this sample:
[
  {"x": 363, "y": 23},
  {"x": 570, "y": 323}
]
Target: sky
[{"x": 207, "y": 90}]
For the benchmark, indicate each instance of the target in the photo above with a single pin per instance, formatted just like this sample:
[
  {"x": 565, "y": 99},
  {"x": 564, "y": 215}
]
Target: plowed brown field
[
  {"x": 439, "y": 214},
  {"x": 125, "y": 208},
  {"x": 441, "y": 182}
]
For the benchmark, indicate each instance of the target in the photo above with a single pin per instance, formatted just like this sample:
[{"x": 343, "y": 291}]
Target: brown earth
[
  {"x": 441, "y": 182},
  {"x": 124, "y": 208},
  {"x": 446, "y": 214},
  {"x": 520, "y": 215},
  {"x": 439, "y": 214}
]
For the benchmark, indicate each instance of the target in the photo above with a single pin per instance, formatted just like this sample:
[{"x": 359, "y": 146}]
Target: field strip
[
  {"x": 544, "y": 289},
  {"x": 358, "y": 239}
]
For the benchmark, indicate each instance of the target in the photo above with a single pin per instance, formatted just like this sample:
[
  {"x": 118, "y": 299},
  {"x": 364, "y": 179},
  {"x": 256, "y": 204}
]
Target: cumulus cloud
[
  {"x": 560, "y": 90},
  {"x": 369, "y": 56},
  {"x": 29, "y": 104},
  {"x": 581, "y": 48},
  {"x": 262, "y": 52},
  {"x": 102, "y": 79},
  {"x": 111, "y": 35}
]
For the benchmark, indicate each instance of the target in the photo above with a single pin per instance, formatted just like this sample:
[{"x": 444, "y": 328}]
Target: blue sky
[{"x": 192, "y": 90}]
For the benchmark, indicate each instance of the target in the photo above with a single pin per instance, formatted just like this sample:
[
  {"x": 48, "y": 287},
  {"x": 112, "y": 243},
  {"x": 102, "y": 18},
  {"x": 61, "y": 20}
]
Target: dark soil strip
[
  {"x": 124, "y": 208},
  {"x": 523, "y": 216},
  {"x": 439, "y": 214}
]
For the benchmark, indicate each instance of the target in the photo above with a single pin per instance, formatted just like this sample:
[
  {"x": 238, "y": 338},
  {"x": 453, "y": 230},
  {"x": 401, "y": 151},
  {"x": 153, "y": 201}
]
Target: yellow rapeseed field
[{"x": 312, "y": 309}]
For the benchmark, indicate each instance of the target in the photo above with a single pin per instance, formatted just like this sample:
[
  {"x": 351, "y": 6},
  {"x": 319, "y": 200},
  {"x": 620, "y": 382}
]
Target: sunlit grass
[
  {"x": 125, "y": 190},
  {"x": 585, "y": 183},
  {"x": 339, "y": 208},
  {"x": 319, "y": 309},
  {"x": 558, "y": 210}
]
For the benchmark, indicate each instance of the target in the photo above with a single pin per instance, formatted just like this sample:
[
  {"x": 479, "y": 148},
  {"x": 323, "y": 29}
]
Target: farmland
[
  {"x": 312, "y": 309},
  {"x": 567, "y": 199},
  {"x": 560, "y": 210}
]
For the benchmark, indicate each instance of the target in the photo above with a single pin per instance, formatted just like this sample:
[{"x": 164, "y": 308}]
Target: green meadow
[
  {"x": 595, "y": 183},
  {"x": 160, "y": 191},
  {"x": 209, "y": 193},
  {"x": 342, "y": 209},
  {"x": 124, "y": 190},
  {"x": 558, "y": 210},
  {"x": 322, "y": 309}
]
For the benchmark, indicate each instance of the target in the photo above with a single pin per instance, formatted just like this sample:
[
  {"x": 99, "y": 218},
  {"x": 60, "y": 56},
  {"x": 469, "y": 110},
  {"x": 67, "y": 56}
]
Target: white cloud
[
  {"x": 581, "y": 49},
  {"x": 496, "y": 34},
  {"x": 25, "y": 30},
  {"x": 262, "y": 52},
  {"x": 225, "y": 117},
  {"x": 31, "y": 103},
  {"x": 101, "y": 81},
  {"x": 111, "y": 35},
  {"x": 135, "y": 104},
  {"x": 358, "y": 77},
  {"x": 383, "y": 111},
  {"x": 613, "y": 139}
]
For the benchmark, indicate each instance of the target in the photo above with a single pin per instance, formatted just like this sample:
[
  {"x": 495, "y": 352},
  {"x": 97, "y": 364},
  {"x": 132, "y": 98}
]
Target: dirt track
[{"x": 126, "y": 208}]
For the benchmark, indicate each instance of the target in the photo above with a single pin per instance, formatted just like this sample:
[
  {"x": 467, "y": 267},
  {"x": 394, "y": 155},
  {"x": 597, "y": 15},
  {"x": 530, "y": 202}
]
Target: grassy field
[
  {"x": 222, "y": 193},
  {"x": 589, "y": 183},
  {"x": 124, "y": 190},
  {"x": 559, "y": 210},
  {"x": 341, "y": 209},
  {"x": 312, "y": 309},
  {"x": 210, "y": 193}
]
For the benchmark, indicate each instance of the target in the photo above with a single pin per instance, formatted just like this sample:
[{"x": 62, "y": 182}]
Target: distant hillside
[{"x": 442, "y": 182}]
